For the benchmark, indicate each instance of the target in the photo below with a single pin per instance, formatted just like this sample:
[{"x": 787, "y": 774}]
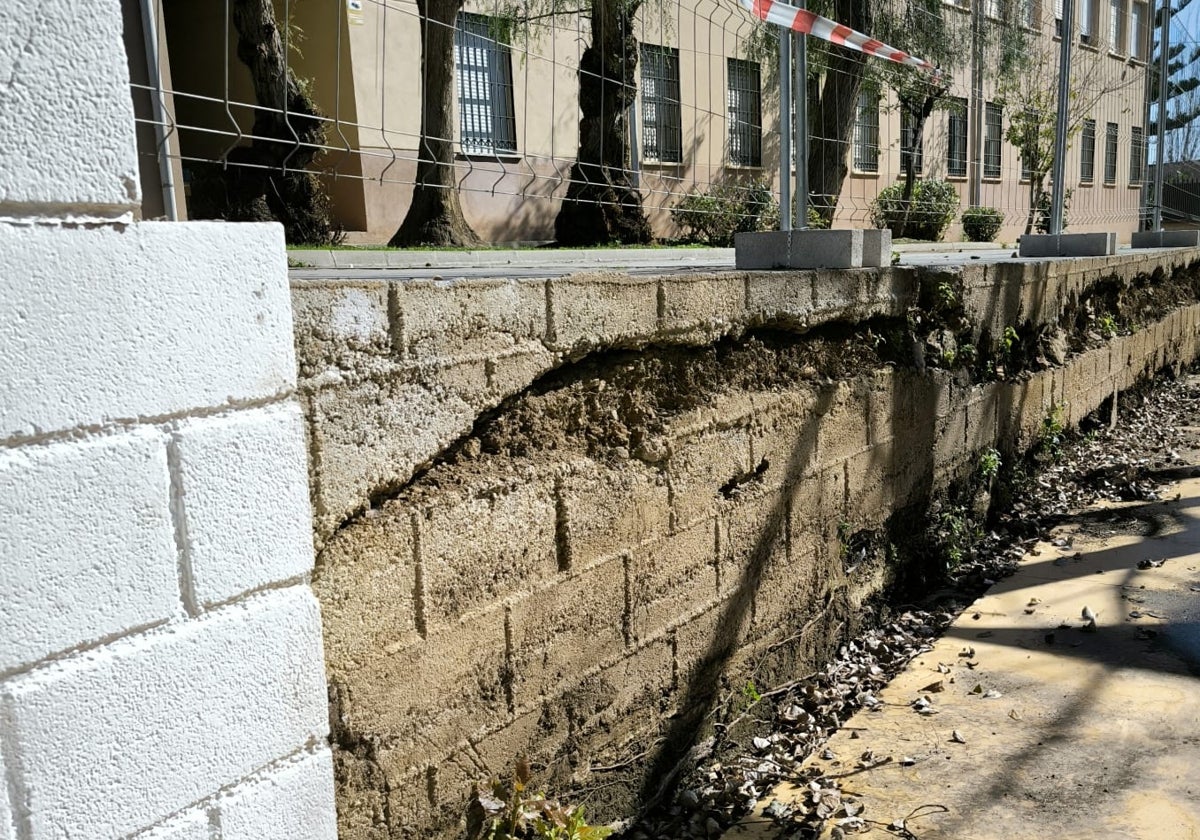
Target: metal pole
[
  {"x": 154, "y": 71},
  {"x": 785, "y": 130},
  {"x": 1060, "y": 127},
  {"x": 801, "y": 90},
  {"x": 1164, "y": 45},
  {"x": 977, "y": 105}
]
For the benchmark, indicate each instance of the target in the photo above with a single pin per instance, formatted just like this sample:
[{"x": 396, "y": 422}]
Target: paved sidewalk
[{"x": 1042, "y": 727}]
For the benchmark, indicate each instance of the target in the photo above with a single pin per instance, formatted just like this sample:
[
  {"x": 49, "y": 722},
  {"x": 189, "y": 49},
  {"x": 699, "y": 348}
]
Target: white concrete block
[
  {"x": 8, "y": 829},
  {"x": 68, "y": 138},
  {"x": 192, "y": 825},
  {"x": 115, "y": 741},
  {"x": 800, "y": 249},
  {"x": 292, "y": 803},
  {"x": 87, "y": 546},
  {"x": 142, "y": 321},
  {"x": 244, "y": 483}
]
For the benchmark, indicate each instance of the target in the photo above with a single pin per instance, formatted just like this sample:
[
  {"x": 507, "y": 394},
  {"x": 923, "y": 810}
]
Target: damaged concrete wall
[{"x": 555, "y": 515}]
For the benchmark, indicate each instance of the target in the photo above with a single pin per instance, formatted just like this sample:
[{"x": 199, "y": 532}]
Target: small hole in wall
[{"x": 731, "y": 487}]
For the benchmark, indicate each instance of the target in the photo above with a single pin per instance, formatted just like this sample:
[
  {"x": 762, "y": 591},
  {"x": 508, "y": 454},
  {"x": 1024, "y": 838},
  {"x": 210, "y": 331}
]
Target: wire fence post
[
  {"x": 785, "y": 130},
  {"x": 1058, "y": 196},
  {"x": 1164, "y": 45},
  {"x": 800, "y": 87}
]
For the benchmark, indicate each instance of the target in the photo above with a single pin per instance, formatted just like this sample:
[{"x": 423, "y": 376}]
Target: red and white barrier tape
[{"x": 802, "y": 20}]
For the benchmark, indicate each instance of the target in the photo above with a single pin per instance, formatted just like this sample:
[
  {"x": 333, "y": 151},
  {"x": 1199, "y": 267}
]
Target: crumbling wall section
[{"x": 576, "y": 570}]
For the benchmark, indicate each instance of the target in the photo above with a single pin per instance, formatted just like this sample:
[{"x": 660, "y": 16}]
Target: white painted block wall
[{"x": 161, "y": 672}]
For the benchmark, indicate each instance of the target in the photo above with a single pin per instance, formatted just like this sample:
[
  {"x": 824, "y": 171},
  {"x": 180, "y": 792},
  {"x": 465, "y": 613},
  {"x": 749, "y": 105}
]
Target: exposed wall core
[{"x": 555, "y": 516}]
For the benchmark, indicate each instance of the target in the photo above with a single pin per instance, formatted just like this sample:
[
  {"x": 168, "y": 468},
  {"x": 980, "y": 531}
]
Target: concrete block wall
[
  {"x": 161, "y": 664},
  {"x": 561, "y": 605}
]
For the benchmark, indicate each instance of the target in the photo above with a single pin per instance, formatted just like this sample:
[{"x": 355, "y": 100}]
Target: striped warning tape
[{"x": 809, "y": 23}]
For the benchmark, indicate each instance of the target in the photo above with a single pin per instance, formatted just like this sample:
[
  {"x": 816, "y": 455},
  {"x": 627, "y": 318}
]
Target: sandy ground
[{"x": 1039, "y": 726}]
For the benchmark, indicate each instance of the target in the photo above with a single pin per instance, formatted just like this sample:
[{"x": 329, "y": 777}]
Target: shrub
[
  {"x": 815, "y": 220},
  {"x": 981, "y": 224},
  {"x": 925, "y": 216},
  {"x": 714, "y": 217}
]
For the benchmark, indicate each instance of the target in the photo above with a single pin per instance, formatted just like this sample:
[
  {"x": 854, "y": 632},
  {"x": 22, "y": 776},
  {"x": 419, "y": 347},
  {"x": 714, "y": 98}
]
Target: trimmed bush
[
  {"x": 925, "y": 216},
  {"x": 714, "y": 217},
  {"x": 981, "y": 224}
]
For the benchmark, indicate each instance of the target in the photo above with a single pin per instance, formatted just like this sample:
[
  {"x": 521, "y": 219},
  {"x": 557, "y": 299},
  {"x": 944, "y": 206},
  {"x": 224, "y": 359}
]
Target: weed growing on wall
[{"x": 511, "y": 810}]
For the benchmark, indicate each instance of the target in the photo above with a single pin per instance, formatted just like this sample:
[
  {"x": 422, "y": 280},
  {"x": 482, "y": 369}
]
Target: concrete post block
[
  {"x": 127, "y": 323},
  {"x": 246, "y": 516},
  {"x": 87, "y": 543},
  {"x": 800, "y": 249},
  {"x": 111, "y": 742},
  {"x": 69, "y": 146},
  {"x": 1166, "y": 239},
  {"x": 877, "y": 247},
  {"x": 1068, "y": 245},
  {"x": 294, "y": 802}
]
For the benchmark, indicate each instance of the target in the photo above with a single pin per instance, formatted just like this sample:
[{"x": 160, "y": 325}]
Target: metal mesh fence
[{"x": 376, "y": 110}]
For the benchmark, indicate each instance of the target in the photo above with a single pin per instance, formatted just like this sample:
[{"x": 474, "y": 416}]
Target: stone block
[
  {"x": 1068, "y": 245},
  {"x": 366, "y": 581},
  {"x": 611, "y": 509},
  {"x": 243, "y": 494},
  {"x": 439, "y": 319},
  {"x": 701, "y": 308},
  {"x": 784, "y": 436},
  {"x": 799, "y": 249},
  {"x": 498, "y": 539},
  {"x": 752, "y": 535},
  {"x": 843, "y": 429},
  {"x": 877, "y": 247},
  {"x": 1166, "y": 239},
  {"x": 564, "y": 631},
  {"x": 780, "y": 298},
  {"x": 292, "y": 802},
  {"x": 183, "y": 712},
  {"x": 156, "y": 334},
  {"x": 69, "y": 147},
  {"x": 88, "y": 543},
  {"x": 343, "y": 329},
  {"x": 671, "y": 579},
  {"x": 587, "y": 311},
  {"x": 702, "y": 464}
]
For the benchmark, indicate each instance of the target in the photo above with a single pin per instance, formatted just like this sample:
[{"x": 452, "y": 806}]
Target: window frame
[
  {"x": 1087, "y": 152},
  {"x": 661, "y": 111},
  {"x": 1137, "y": 155},
  {"x": 957, "y": 114},
  {"x": 1138, "y": 29},
  {"x": 1111, "y": 153},
  {"x": 866, "y": 132},
  {"x": 993, "y": 147},
  {"x": 493, "y": 132},
  {"x": 1118, "y": 23},
  {"x": 736, "y": 110}
]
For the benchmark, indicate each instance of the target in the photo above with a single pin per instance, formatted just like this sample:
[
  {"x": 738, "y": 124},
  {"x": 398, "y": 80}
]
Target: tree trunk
[
  {"x": 920, "y": 115},
  {"x": 601, "y": 205},
  {"x": 271, "y": 179},
  {"x": 834, "y": 112},
  {"x": 435, "y": 215}
]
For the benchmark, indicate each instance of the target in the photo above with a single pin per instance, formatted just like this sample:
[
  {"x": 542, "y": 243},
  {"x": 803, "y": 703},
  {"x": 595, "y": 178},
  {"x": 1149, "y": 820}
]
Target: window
[
  {"x": 1110, "y": 153},
  {"x": 1087, "y": 21},
  {"x": 1087, "y": 152},
  {"x": 1137, "y": 31},
  {"x": 1030, "y": 13},
  {"x": 485, "y": 89},
  {"x": 662, "y": 126},
  {"x": 911, "y": 143},
  {"x": 1116, "y": 26},
  {"x": 745, "y": 113},
  {"x": 866, "y": 133},
  {"x": 991, "y": 8},
  {"x": 956, "y": 147},
  {"x": 1137, "y": 154},
  {"x": 1058, "y": 18},
  {"x": 993, "y": 123}
]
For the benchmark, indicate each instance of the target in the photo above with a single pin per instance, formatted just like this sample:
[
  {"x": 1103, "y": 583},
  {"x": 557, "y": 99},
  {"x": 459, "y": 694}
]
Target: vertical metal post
[
  {"x": 977, "y": 106},
  {"x": 1164, "y": 82},
  {"x": 150, "y": 31},
  {"x": 1060, "y": 126},
  {"x": 800, "y": 88},
  {"x": 785, "y": 130}
]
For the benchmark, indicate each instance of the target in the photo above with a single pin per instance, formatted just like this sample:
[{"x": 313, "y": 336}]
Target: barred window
[
  {"x": 483, "y": 65},
  {"x": 1110, "y": 153},
  {"x": 1087, "y": 152},
  {"x": 1137, "y": 154},
  {"x": 745, "y": 113},
  {"x": 992, "y": 139},
  {"x": 866, "y": 133},
  {"x": 911, "y": 143},
  {"x": 662, "y": 126},
  {"x": 956, "y": 147}
]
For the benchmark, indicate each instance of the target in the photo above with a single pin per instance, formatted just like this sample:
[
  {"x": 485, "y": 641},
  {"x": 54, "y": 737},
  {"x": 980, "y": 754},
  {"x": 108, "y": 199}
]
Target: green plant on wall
[
  {"x": 989, "y": 464},
  {"x": 510, "y": 810}
]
